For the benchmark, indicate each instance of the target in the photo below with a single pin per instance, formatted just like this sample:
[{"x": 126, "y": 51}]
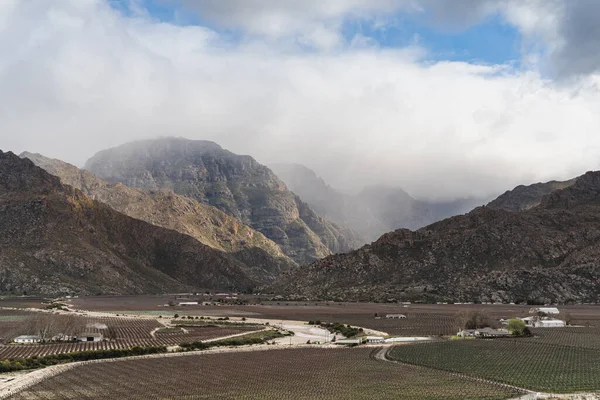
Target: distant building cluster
[
  {"x": 543, "y": 317},
  {"x": 82, "y": 337},
  {"x": 484, "y": 333}
]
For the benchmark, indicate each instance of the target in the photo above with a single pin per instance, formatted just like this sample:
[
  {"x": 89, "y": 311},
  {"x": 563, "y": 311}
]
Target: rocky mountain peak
[
  {"x": 54, "y": 239},
  {"x": 525, "y": 197},
  {"x": 585, "y": 191},
  {"x": 19, "y": 175},
  {"x": 166, "y": 209},
  {"x": 237, "y": 185}
]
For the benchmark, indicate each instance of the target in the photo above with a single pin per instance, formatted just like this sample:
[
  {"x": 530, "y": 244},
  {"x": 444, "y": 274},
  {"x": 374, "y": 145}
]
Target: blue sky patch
[{"x": 491, "y": 42}]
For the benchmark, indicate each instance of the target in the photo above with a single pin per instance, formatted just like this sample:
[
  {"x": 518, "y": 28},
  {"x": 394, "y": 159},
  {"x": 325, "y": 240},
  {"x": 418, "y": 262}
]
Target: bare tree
[
  {"x": 111, "y": 333},
  {"x": 53, "y": 326},
  {"x": 462, "y": 318},
  {"x": 68, "y": 326},
  {"x": 567, "y": 317},
  {"x": 470, "y": 319}
]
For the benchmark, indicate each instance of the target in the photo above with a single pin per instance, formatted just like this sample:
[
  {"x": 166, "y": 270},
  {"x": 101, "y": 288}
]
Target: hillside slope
[
  {"x": 237, "y": 185},
  {"x": 525, "y": 197},
  {"x": 54, "y": 239},
  {"x": 550, "y": 253},
  {"x": 164, "y": 208}
]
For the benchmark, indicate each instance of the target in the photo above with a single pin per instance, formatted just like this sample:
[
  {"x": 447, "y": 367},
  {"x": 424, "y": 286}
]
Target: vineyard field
[
  {"x": 270, "y": 374},
  {"x": 422, "y": 319},
  {"x": 579, "y": 337},
  {"x": 128, "y": 333},
  {"x": 10, "y": 323},
  {"x": 523, "y": 362}
]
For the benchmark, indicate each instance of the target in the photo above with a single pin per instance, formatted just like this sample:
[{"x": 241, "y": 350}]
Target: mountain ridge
[
  {"x": 549, "y": 253},
  {"x": 237, "y": 185},
  {"x": 54, "y": 239},
  {"x": 525, "y": 197},
  {"x": 166, "y": 209}
]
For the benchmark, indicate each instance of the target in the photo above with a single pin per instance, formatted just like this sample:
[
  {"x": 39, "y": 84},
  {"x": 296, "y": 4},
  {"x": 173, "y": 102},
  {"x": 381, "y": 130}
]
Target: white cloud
[
  {"x": 77, "y": 76},
  {"x": 562, "y": 35},
  {"x": 312, "y": 23}
]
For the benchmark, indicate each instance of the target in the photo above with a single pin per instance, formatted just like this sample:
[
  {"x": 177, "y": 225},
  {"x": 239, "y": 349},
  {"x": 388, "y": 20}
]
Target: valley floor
[{"x": 564, "y": 360}]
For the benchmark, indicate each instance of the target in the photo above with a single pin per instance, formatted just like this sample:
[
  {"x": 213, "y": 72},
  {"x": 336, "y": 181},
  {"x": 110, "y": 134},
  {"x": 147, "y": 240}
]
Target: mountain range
[
  {"x": 548, "y": 253},
  {"x": 56, "y": 239},
  {"x": 235, "y": 184},
  {"x": 210, "y": 226},
  {"x": 179, "y": 215}
]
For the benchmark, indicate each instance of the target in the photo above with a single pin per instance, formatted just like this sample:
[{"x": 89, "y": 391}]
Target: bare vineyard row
[
  {"x": 307, "y": 373},
  {"x": 129, "y": 333}
]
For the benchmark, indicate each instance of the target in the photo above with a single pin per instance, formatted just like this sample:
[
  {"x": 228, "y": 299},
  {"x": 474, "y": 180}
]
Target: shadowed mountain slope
[
  {"x": 164, "y": 208},
  {"x": 524, "y": 197},
  {"x": 54, "y": 239},
  {"x": 550, "y": 253}
]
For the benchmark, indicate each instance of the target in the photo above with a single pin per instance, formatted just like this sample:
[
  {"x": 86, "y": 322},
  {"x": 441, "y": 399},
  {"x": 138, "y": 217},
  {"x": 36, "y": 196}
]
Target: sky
[{"x": 445, "y": 99}]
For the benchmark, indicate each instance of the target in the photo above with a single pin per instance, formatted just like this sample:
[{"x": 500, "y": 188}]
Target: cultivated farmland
[
  {"x": 421, "y": 319},
  {"x": 270, "y": 374},
  {"x": 127, "y": 332},
  {"x": 579, "y": 337},
  {"x": 523, "y": 362}
]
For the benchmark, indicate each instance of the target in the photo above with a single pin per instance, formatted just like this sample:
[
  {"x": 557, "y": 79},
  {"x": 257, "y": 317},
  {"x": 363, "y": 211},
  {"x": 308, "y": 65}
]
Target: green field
[{"x": 521, "y": 362}]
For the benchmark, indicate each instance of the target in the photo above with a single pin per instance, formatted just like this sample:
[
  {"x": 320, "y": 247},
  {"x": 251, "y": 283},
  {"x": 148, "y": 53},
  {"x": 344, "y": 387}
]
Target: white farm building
[
  {"x": 545, "y": 310},
  {"x": 27, "y": 339},
  {"x": 550, "y": 323},
  {"x": 544, "y": 322},
  {"x": 395, "y": 316}
]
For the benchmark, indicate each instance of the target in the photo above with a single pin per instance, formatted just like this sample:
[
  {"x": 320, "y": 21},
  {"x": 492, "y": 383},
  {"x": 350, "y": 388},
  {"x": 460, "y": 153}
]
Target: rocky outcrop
[
  {"x": 55, "y": 239},
  {"x": 550, "y": 253},
  {"x": 164, "y": 208},
  {"x": 372, "y": 212},
  {"x": 524, "y": 197},
  {"x": 237, "y": 185}
]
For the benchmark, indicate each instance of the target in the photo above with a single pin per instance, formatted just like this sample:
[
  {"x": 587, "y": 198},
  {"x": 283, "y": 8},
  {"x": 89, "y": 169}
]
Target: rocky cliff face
[
  {"x": 164, "y": 208},
  {"x": 524, "y": 197},
  {"x": 548, "y": 253},
  {"x": 372, "y": 212},
  {"x": 54, "y": 239},
  {"x": 237, "y": 185}
]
